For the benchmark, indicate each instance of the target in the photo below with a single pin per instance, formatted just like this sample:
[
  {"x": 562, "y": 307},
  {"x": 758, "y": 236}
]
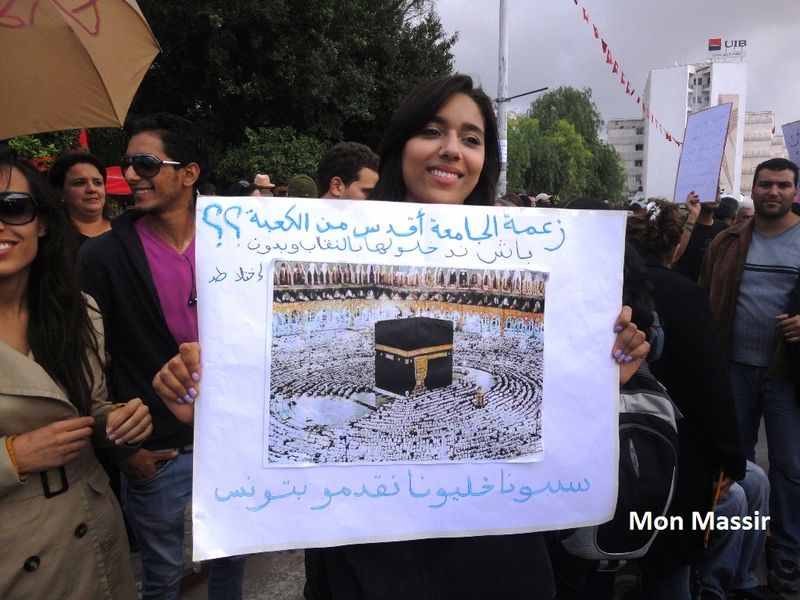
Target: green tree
[
  {"x": 43, "y": 148},
  {"x": 556, "y": 148},
  {"x": 279, "y": 151},
  {"x": 609, "y": 179},
  {"x": 569, "y": 104},
  {"x": 524, "y": 136},
  {"x": 330, "y": 69},
  {"x": 564, "y": 148}
]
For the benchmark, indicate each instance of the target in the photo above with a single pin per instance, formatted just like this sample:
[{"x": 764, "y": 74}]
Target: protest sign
[
  {"x": 701, "y": 153},
  {"x": 388, "y": 371},
  {"x": 791, "y": 136}
]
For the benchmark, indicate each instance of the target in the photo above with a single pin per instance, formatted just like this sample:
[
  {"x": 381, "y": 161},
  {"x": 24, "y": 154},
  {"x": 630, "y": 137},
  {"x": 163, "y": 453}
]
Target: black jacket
[
  {"x": 114, "y": 271},
  {"x": 692, "y": 367}
]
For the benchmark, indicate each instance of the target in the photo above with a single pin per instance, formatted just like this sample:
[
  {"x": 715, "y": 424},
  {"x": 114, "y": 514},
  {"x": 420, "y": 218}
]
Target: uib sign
[{"x": 726, "y": 50}]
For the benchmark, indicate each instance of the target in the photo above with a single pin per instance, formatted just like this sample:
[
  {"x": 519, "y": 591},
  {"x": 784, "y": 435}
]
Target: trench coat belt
[{"x": 53, "y": 482}]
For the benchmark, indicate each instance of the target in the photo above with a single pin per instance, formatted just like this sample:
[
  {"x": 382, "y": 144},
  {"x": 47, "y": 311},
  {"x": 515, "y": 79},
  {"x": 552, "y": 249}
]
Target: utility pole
[
  {"x": 503, "y": 99},
  {"x": 502, "y": 92}
]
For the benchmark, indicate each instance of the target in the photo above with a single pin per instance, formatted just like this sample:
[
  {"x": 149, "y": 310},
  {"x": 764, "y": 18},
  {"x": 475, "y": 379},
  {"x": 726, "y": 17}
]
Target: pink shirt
[{"x": 173, "y": 274}]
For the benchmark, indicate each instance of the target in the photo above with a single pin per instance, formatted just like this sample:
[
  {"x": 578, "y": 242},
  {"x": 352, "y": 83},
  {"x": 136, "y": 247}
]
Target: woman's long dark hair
[
  {"x": 416, "y": 111},
  {"x": 60, "y": 332}
]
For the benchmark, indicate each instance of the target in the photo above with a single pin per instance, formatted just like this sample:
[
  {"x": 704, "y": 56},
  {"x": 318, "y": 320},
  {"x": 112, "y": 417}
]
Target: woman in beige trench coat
[{"x": 61, "y": 529}]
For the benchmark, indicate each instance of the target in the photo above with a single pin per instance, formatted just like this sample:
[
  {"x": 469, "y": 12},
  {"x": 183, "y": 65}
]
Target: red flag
[
  {"x": 773, "y": 131},
  {"x": 585, "y": 15},
  {"x": 622, "y": 77},
  {"x": 609, "y": 60},
  {"x": 83, "y": 139},
  {"x": 669, "y": 137},
  {"x": 632, "y": 92},
  {"x": 615, "y": 68},
  {"x": 628, "y": 89},
  {"x": 605, "y": 46},
  {"x": 596, "y": 33},
  {"x": 638, "y": 99},
  {"x": 576, "y": 2}
]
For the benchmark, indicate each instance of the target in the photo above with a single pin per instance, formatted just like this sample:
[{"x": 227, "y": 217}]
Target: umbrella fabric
[{"x": 69, "y": 64}]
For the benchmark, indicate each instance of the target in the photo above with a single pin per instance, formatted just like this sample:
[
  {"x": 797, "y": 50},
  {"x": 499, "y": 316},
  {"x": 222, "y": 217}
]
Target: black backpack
[{"x": 648, "y": 466}]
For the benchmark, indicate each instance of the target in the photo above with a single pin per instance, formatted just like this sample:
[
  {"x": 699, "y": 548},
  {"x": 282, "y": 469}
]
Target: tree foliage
[
  {"x": 279, "y": 151},
  {"x": 329, "y": 69},
  {"x": 556, "y": 148},
  {"x": 44, "y": 148},
  {"x": 571, "y": 105}
]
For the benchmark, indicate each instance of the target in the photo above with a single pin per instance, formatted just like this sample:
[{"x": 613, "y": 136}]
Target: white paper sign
[
  {"x": 791, "y": 136},
  {"x": 701, "y": 153},
  {"x": 301, "y": 440}
]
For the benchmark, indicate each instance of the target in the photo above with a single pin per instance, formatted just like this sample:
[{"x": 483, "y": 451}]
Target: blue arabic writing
[{"x": 413, "y": 487}]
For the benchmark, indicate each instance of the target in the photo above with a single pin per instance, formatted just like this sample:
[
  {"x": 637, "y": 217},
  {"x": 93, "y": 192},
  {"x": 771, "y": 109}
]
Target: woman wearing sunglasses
[
  {"x": 441, "y": 148},
  {"x": 80, "y": 179},
  {"x": 61, "y": 528}
]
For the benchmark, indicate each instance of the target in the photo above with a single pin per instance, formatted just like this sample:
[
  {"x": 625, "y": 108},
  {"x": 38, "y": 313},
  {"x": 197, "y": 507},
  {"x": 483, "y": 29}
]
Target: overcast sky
[{"x": 551, "y": 45}]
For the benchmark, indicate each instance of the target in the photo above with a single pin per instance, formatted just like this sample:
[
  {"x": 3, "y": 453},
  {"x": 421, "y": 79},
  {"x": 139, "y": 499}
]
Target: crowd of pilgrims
[
  {"x": 439, "y": 424},
  {"x": 300, "y": 275}
]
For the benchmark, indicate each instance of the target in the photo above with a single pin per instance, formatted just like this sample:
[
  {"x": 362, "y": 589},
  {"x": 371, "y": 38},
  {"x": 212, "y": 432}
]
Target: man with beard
[{"x": 751, "y": 272}]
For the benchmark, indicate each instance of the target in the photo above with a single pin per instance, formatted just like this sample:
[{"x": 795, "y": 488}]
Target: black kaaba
[{"x": 413, "y": 355}]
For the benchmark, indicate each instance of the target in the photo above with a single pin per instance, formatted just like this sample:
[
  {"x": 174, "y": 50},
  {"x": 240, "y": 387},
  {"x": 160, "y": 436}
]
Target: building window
[
  {"x": 637, "y": 163},
  {"x": 639, "y": 147},
  {"x": 640, "y": 131}
]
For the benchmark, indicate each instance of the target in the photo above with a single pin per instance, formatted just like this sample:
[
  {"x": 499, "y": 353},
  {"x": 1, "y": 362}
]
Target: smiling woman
[
  {"x": 61, "y": 527},
  {"x": 441, "y": 146}
]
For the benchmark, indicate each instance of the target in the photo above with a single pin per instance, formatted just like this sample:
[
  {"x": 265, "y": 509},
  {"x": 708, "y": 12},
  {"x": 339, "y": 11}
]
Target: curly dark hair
[
  {"x": 416, "y": 111},
  {"x": 345, "y": 160},
  {"x": 60, "y": 331},
  {"x": 657, "y": 230}
]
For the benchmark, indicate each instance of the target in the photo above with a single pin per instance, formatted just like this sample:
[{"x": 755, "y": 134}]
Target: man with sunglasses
[{"x": 142, "y": 275}]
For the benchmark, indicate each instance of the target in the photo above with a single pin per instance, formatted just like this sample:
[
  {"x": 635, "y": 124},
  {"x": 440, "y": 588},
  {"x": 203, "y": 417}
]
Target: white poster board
[
  {"x": 701, "y": 153},
  {"x": 243, "y": 503},
  {"x": 791, "y": 137}
]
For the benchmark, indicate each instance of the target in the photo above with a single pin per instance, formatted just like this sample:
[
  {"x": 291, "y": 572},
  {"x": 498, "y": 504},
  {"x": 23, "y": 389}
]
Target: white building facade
[
  {"x": 626, "y": 136},
  {"x": 672, "y": 94},
  {"x": 760, "y": 143}
]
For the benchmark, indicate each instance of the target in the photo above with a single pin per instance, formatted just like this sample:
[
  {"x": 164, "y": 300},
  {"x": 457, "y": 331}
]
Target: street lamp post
[{"x": 502, "y": 99}]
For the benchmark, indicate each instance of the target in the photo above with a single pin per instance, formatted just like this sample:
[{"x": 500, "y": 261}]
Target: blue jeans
[
  {"x": 757, "y": 394},
  {"x": 155, "y": 507},
  {"x": 730, "y": 561}
]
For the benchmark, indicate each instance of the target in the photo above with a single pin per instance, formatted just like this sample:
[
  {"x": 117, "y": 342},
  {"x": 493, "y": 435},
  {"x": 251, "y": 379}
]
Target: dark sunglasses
[
  {"x": 17, "y": 208},
  {"x": 145, "y": 165}
]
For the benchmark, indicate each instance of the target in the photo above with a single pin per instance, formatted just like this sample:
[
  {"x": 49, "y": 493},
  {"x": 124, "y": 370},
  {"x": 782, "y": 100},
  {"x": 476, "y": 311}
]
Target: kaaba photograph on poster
[{"x": 378, "y": 363}]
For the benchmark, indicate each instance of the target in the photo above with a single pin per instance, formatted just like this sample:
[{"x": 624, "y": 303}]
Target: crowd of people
[
  {"x": 99, "y": 350},
  {"x": 313, "y": 383}
]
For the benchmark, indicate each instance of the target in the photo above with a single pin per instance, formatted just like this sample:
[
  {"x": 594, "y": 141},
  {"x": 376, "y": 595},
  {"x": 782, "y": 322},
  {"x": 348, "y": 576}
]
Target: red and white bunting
[{"x": 615, "y": 68}]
